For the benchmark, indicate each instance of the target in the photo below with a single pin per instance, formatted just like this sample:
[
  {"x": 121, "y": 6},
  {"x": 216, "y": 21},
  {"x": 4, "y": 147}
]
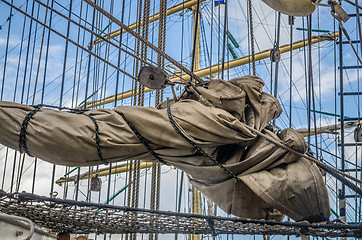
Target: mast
[
  {"x": 342, "y": 191},
  {"x": 196, "y": 195}
]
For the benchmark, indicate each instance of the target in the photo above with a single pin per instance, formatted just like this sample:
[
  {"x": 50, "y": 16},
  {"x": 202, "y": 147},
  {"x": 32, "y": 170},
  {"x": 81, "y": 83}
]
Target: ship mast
[{"x": 196, "y": 195}]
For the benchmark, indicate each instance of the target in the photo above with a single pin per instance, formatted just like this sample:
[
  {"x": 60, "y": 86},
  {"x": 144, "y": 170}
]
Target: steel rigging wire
[
  {"x": 224, "y": 38},
  {"x": 106, "y": 14},
  {"x": 92, "y": 31}
]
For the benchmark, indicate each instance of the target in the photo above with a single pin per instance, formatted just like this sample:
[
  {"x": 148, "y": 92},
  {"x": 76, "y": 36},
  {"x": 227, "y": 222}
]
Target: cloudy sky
[{"x": 68, "y": 66}]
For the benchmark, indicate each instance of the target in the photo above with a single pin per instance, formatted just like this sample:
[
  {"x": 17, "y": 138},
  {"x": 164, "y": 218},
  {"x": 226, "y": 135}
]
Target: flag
[{"x": 219, "y": 2}]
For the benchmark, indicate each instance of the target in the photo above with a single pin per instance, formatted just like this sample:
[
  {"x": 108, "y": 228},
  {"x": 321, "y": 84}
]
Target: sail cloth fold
[
  {"x": 274, "y": 181},
  {"x": 295, "y": 8}
]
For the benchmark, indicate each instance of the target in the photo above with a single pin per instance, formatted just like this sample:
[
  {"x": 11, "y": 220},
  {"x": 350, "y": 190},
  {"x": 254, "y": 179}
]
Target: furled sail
[
  {"x": 295, "y": 8},
  {"x": 273, "y": 182}
]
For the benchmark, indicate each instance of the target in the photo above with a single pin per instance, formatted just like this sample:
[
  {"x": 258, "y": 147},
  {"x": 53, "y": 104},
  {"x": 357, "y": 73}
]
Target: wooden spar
[
  {"x": 328, "y": 129},
  {"x": 196, "y": 194},
  {"x": 228, "y": 65},
  {"x": 103, "y": 172},
  {"x": 170, "y": 11},
  {"x": 259, "y": 56}
]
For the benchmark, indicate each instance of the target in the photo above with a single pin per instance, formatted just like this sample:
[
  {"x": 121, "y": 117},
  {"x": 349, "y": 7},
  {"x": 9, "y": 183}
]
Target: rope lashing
[
  {"x": 23, "y": 147},
  {"x": 319, "y": 163},
  {"x": 30, "y": 115},
  {"x": 143, "y": 140},
  {"x": 24, "y": 126},
  {"x": 199, "y": 149},
  {"x": 281, "y": 145}
]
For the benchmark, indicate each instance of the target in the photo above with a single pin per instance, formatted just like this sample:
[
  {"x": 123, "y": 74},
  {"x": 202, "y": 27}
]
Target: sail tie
[{"x": 30, "y": 115}]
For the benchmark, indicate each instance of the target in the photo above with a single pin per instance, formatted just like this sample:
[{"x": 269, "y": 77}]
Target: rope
[
  {"x": 141, "y": 93},
  {"x": 119, "y": 52},
  {"x": 274, "y": 52},
  {"x": 138, "y": 86},
  {"x": 71, "y": 41},
  {"x": 349, "y": 40},
  {"x": 252, "y": 36},
  {"x": 143, "y": 140},
  {"x": 40, "y": 53},
  {"x": 158, "y": 187},
  {"x": 146, "y": 15},
  {"x": 129, "y": 192},
  {"x": 224, "y": 39},
  {"x": 156, "y": 168},
  {"x": 32, "y": 56},
  {"x": 20, "y": 55},
  {"x": 319, "y": 163},
  {"x": 291, "y": 22},
  {"x": 153, "y": 192},
  {"x": 153, "y": 187},
  {"x": 27, "y": 54},
  {"x": 163, "y": 40},
  {"x": 145, "y": 41},
  {"x": 65, "y": 54},
  {"x": 311, "y": 96},
  {"x": 98, "y": 56},
  {"x": 22, "y": 135},
  {"x": 6, "y": 54},
  {"x": 81, "y": 55},
  {"x": 179, "y": 131},
  {"x": 281, "y": 145},
  {"x": 157, "y": 190},
  {"x": 89, "y": 30},
  {"x": 276, "y": 48},
  {"x": 28, "y": 117},
  {"x": 135, "y": 190}
]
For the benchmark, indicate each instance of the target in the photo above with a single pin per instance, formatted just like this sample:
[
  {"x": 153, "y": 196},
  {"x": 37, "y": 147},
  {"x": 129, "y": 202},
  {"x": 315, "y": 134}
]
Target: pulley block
[
  {"x": 337, "y": 11},
  {"x": 96, "y": 184},
  {"x": 275, "y": 55},
  {"x": 153, "y": 77},
  {"x": 358, "y": 134}
]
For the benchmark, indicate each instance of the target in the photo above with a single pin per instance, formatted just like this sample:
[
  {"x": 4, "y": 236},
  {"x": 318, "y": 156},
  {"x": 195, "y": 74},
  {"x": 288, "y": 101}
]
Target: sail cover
[
  {"x": 295, "y": 8},
  {"x": 273, "y": 182}
]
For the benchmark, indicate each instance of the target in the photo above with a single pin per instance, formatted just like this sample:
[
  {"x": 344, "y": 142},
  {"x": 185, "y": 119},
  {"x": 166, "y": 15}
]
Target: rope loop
[
  {"x": 24, "y": 126},
  {"x": 199, "y": 149},
  {"x": 143, "y": 140},
  {"x": 28, "y": 117}
]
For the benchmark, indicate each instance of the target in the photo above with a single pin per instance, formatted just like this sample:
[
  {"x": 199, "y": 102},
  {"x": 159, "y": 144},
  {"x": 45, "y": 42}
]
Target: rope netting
[{"x": 71, "y": 216}]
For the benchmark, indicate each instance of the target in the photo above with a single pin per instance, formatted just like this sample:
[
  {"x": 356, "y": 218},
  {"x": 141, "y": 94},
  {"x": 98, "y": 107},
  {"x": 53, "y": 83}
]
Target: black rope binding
[
  {"x": 97, "y": 140},
  {"x": 22, "y": 135},
  {"x": 24, "y": 126},
  {"x": 199, "y": 149},
  {"x": 143, "y": 140}
]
